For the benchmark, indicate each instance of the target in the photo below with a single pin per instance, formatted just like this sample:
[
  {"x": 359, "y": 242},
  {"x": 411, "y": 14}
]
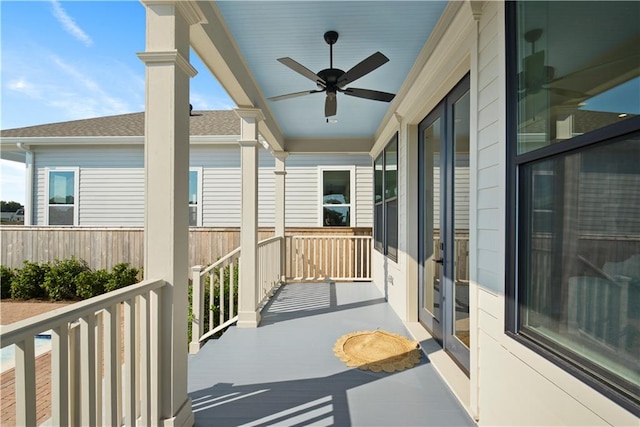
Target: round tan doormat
[{"x": 377, "y": 351}]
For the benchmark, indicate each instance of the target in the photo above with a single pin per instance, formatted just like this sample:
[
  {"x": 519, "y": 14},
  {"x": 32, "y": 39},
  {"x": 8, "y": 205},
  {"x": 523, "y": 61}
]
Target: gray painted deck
[{"x": 285, "y": 372}]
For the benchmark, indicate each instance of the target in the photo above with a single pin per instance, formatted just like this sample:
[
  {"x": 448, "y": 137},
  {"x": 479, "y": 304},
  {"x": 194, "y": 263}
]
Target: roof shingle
[{"x": 210, "y": 122}]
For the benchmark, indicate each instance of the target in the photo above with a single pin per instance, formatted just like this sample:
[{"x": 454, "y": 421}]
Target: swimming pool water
[{"x": 7, "y": 361}]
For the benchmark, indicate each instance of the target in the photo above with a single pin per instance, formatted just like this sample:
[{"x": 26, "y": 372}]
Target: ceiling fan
[
  {"x": 536, "y": 75},
  {"x": 333, "y": 80}
]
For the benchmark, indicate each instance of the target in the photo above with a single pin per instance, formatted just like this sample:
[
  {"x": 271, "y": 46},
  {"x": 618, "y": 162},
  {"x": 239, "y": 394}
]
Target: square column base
[{"x": 248, "y": 319}]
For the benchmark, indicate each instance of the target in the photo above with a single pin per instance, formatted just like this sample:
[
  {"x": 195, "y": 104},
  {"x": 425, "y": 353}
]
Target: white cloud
[
  {"x": 69, "y": 24},
  {"x": 202, "y": 102},
  {"x": 22, "y": 85},
  {"x": 91, "y": 101}
]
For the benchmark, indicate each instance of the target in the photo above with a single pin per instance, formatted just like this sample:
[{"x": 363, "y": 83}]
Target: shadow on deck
[{"x": 285, "y": 372}]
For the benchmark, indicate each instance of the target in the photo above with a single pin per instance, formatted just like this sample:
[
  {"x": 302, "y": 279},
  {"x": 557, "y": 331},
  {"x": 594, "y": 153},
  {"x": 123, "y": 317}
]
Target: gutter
[{"x": 30, "y": 164}]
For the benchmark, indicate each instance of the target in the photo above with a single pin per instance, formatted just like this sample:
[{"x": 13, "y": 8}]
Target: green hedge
[{"x": 69, "y": 279}]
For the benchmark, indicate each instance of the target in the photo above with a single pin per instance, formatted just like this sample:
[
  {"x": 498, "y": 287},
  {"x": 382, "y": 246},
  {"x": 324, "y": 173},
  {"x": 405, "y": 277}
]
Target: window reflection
[{"x": 574, "y": 77}]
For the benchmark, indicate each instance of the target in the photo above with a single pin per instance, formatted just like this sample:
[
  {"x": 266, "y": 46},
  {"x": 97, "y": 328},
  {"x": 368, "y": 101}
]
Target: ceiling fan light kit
[{"x": 333, "y": 80}]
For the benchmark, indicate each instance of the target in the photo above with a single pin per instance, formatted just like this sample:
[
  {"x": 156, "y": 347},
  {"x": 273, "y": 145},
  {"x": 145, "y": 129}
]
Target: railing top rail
[
  {"x": 18, "y": 331},
  {"x": 269, "y": 240},
  {"x": 220, "y": 261}
]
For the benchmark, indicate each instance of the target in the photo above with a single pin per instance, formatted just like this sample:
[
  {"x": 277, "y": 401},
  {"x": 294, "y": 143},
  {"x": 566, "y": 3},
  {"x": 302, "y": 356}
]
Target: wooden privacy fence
[{"x": 105, "y": 247}]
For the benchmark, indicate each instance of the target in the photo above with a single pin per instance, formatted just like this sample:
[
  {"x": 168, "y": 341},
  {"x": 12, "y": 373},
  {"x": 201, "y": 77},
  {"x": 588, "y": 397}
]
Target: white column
[
  {"x": 248, "y": 315},
  {"x": 166, "y": 235},
  {"x": 280, "y": 224}
]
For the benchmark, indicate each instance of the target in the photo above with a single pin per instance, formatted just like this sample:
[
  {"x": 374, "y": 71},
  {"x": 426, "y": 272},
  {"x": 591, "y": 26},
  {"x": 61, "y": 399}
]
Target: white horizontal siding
[
  {"x": 489, "y": 152},
  {"x": 364, "y": 195},
  {"x": 111, "y": 183},
  {"x": 111, "y": 190}
]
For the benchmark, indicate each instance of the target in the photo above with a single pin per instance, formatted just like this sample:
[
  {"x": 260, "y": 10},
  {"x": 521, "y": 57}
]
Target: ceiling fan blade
[
  {"x": 293, "y": 95},
  {"x": 364, "y": 67},
  {"x": 301, "y": 69},
  {"x": 330, "y": 106},
  {"x": 369, "y": 94}
]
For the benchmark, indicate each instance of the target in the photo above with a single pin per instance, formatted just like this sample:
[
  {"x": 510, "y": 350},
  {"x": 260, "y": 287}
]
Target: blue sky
[{"x": 69, "y": 60}]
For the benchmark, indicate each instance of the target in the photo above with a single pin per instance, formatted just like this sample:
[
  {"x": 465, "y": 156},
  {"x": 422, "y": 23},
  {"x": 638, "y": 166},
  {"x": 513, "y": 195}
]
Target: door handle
[{"x": 439, "y": 261}]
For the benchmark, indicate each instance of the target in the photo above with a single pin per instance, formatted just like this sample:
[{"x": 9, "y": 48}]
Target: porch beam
[
  {"x": 248, "y": 315},
  {"x": 166, "y": 234}
]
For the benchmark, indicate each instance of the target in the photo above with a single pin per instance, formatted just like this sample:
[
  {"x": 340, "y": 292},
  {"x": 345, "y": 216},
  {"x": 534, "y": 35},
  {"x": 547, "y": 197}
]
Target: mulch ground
[{"x": 10, "y": 312}]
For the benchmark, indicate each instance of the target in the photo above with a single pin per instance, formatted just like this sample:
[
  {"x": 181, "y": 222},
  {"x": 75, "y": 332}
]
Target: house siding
[
  {"x": 513, "y": 381},
  {"x": 509, "y": 383},
  {"x": 111, "y": 190}
]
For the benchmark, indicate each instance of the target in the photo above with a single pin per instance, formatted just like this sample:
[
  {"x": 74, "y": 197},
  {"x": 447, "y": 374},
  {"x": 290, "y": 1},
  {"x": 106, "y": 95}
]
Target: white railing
[
  {"x": 220, "y": 281},
  {"x": 103, "y": 355},
  {"x": 269, "y": 267},
  {"x": 328, "y": 258}
]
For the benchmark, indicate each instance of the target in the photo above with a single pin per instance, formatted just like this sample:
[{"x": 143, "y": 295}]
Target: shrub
[
  {"x": 60, "y": 280},
  {"x": 6, "y": 277},
  {"x": 91, "y": 283},
  {"x": 28, "y": 281},
  {"x": 121, "y": 275}
]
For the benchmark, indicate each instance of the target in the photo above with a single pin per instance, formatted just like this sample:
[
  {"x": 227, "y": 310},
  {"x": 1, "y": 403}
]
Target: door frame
[{"x": 442, "y": 329}]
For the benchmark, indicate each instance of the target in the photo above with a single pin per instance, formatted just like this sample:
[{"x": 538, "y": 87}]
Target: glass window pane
[
  {"x": 336, "y": 216},
  {"x": 379, "y": 227},
  {"x": 193, "y": 187},
  {"x": 61, "y": 188},
  {"x": 391, "y": 170},
  {"x": 193, "y": 216},
  {"x": 336, "y": 187},
  {"x": 60, "y": 215},
  {"x": 581, "y": 267},
  {"x": 378, "y": 171},
  {"x": 574, "y": 78},
  {"x": 392, "y": 228}
]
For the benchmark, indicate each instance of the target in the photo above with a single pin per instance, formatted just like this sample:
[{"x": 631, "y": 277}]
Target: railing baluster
[
  {"x": 231, "y": 288},
  {"x": 221, "y": 284},
  {"x": 59, "y": 378},
  {"x": 88, "y": 369},
  {"x": 211, "y": 295},
  {"x": 145, "y": 374},
  {"x": 155, "y": 315},
  {"x": 112, "y": 365},
  {"x": 25, "y": 382},
  {"x": 74, "y": 375},
  {"x": 129, "y": 363},
  {"x": 99, "y": 328}
]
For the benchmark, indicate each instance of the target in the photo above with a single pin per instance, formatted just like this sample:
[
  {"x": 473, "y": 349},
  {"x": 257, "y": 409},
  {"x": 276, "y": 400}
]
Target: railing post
[{"x": 197, "y": 307}]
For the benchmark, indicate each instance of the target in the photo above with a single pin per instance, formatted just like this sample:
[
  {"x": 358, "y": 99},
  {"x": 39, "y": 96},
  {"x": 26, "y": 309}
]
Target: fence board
[{"x": 102, "y": 248}]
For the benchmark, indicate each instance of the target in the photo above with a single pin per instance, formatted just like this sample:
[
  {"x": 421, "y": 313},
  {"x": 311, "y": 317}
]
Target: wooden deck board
[{"x": 285, "y": 372}]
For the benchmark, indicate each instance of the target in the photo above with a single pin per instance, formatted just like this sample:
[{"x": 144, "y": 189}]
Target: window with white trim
[
  {"x": 337, "y": 197},
  {"x": 62, "y": 196}
]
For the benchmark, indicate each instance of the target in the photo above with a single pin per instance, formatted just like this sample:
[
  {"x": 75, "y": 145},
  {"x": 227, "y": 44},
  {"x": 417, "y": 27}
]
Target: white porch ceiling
[{"x": 260, "y": 32}]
